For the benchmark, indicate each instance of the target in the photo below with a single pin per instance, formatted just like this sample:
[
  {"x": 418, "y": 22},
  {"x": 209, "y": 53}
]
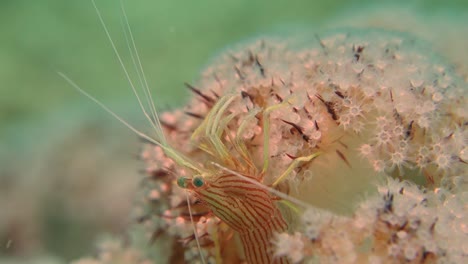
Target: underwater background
[{"x": 68, "y": 171}]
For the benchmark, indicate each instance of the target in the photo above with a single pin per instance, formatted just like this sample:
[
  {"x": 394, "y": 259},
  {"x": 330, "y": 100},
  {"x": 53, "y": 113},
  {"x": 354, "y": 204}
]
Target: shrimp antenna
[
  {"x": 139, "y": 69},
  {"x": 156, "y": 123},
  {"x": 103, "y": 106},
  {"x": 195, "y": 233}
]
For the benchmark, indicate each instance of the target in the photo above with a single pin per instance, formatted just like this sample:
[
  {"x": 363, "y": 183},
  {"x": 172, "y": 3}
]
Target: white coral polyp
[{"x": 290, "y": 246}]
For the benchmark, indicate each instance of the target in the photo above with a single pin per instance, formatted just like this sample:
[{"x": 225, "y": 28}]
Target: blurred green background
[{"x": 57, "y": 148}]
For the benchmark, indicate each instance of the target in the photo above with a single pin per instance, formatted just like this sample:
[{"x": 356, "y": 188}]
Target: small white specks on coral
[
  {"x": 207, "y": 226},
  {"x": 177, "y": 196},
  {"x": 313, "y": 220},
  {"x": 290, "y": 246},
  {"x": 443, "y": 161},
  {"x": 402, "y": 234},
  {"x": 114, "y": 251},
  {"x": 394, "y": 250},
  {"x": 365, "y": 150},
  {"x": 410, "y": 251},
  {"x": 397, "y": 158},
  {"x": 316, "y": 135},
  {"x": 154, "y": 195},
  {"x": 180, "y": 227},
  {"x": 379, "y": 165}
]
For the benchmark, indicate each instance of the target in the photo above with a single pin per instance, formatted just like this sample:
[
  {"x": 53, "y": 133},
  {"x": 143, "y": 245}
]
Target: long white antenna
[
  {"x": 158, "y": 130},
  {"x": 103, "y": 106},
  {"x": 194, "y": 228},
  {"x": 142, "y": 76}
]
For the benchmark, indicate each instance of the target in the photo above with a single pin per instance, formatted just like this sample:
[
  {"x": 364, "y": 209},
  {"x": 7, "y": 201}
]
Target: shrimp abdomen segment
[{"x": 251, "y": 211}]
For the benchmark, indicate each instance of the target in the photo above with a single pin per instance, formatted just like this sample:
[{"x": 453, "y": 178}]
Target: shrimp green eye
[
  {"x": 182, "y": 182},
  {"x": 198, "y": 182}
]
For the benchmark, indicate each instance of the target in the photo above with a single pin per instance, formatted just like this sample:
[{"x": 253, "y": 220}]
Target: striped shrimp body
[
  {"x": 250, "y": 210},
  {"x": 246, "y": 208}
]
